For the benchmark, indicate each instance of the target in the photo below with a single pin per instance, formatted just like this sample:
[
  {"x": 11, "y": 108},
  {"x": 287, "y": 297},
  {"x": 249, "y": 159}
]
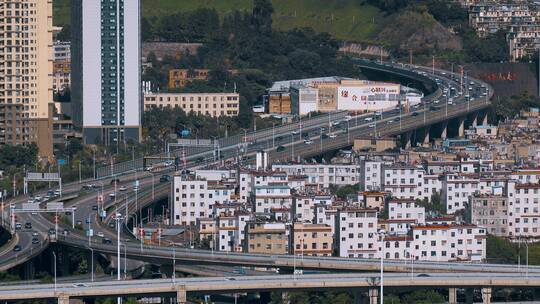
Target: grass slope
[{"x": 344, "y": 19}]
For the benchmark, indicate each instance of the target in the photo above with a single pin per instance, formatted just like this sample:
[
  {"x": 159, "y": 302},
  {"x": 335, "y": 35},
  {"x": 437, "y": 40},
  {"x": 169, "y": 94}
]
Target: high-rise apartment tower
[
  {"x": 26, "y": 73},
  {"x": 105, "y": 62}
]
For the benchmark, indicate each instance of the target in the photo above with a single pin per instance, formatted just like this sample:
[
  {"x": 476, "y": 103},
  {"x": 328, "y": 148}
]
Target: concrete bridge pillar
[
  {"x": 452, "y": 296},
  {"x": 181, "y": 295},
  {"x": 63, "y": 299},
  {"x": 486, "y": 295},
  {"x": 444, "y": 131},
  {"x": 536, "y": 294},
  {"x": 469, "y": 295},
  {"x": 426, "y": 135},
  {"x": 461, "y": 130},
  {"x": 475, "y": 120},
  {"x": 407, "y": 137},
  {"x": 358, "y": 296},
  {"x": 64, "y": 261},
  {"x": 373, "y": 295},
  {"x": 29, "y": 270},
  {"x": 485, "y": 119}
]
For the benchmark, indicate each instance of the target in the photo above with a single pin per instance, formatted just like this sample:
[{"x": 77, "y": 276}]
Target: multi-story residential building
[
  {"x": 106, "y": 70},
  {"x": 266, "y": 237},
  {"x": 432, "y": 185},
  {"x": 490, "y": 211},
  {"x": 210, "y": 104},
  {"x": 326, "y": 215},
  {"x": 323, "y": 175},
  {"x": 372, "y": 199},
  {"x": 226, "y": 236},
  {"x": 489, "y": 18},
  {"x": 61, "y": 76},
  {"x": 519, "y": 20},
  {"x": 457, "y": 190},
  {"x": 207, "y": 231},
  {"x": 25, "y": 74},
  {"x": 61, "y": 66},
  {"x": 62, "y": 51},
  {"x": 304, "y": 206},
  {"x": 449, "y": 242},
  {"x": 311, "y": 239},
  {"x": 437, "y": 242},
  {"x": 523, "y": 210},
  {"x": 231, "y": 231},
  {"x": 371, "y": 175},
  {"x": 190, "y": 199},
  {"x": 406, "y": 210},
  {"x": 404, "y": 182},
  {"x": 266, "y": 198},
  {"x": 195, "y": 197},
  {"x": 356, "y": 233},
  {"x": 529, "y": 175}
]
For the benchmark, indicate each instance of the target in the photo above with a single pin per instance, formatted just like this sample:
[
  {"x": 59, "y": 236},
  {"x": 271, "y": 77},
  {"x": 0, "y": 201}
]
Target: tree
[
  {"x": 18, "y": 156},
  {"x": 423, "y": 297},
  {"x": 345, "y": 191},
  {"x": 262, "y": 16},
  {"x": 506, "y": 108},
  {"x": 499, "y": 250}
]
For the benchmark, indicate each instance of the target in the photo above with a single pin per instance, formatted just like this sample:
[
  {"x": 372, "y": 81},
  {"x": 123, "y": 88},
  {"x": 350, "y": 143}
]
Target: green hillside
[{"x": 344, "y": 19}]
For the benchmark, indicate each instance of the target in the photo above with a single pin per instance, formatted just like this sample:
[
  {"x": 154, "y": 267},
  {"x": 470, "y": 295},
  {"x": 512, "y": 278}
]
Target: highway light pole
[
  {"x": 152, "y": 186},
  {"x": 92, "y": 264},
  {"x": 125, "y": 261},
  {"x": 54, "y": 254},
  {"x": 94, "y": 161},
  {"x": 118, "y": 218},
  {"x": 273, "y": 135},
  {"x": 382, "y": 234},
  {"x": 321, "y": 139},
  {"x": 527, "y": 259},
  {"x": 292, "y": 147},
  {"x": 174, "y": 265},
  {"x": 348, "y": 134}
]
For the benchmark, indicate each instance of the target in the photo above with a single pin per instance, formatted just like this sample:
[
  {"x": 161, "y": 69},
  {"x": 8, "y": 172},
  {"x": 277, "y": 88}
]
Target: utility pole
[{"x": 94, "y": 161}]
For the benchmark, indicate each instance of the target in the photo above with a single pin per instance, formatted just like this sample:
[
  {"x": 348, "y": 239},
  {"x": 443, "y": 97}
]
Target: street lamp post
[
  {"x": 382, "y": 234},
  {"x": 92, "y": 264},
  {"x": 321, "y": 139},
  {"x": 174, "y": 265},
  {"x": 348, "y": 133},
  {"x": 118, "y": 218},
  {"x": 125, "y": 260},
  {"x": 273, "y": 135},
  {"x": 54, "y": 254},
  {"x": 94, "y": 161},
  {"x": 292, "y": 147},
  {"x": 152, "y": 185},
  {"x": 527, "y": 259}
]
